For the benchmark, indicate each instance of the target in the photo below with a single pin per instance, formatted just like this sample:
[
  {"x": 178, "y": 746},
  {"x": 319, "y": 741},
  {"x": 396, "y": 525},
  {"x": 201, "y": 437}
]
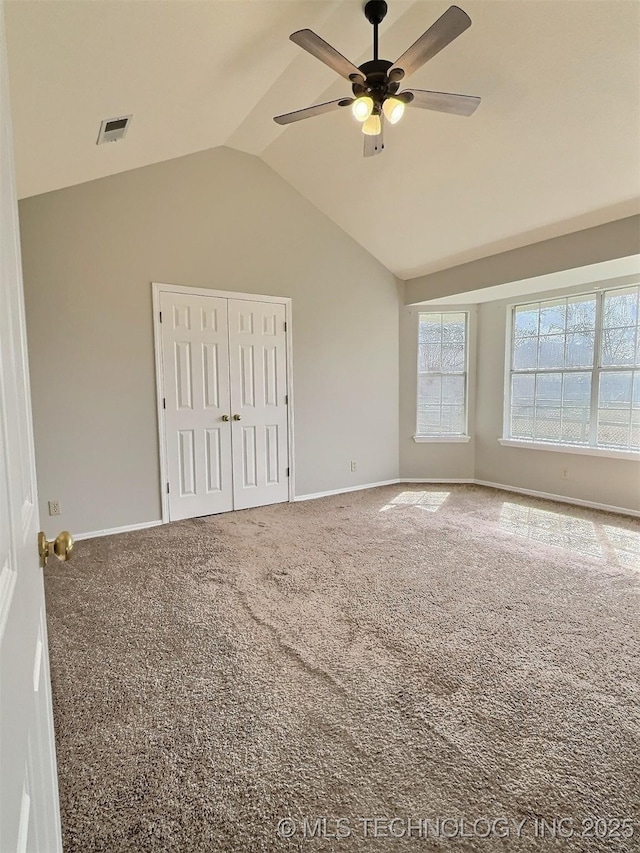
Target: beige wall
[
  {"x": 217, "y": 219},
  {"x": 446, "y": 460},
  {"x": 618, "y": 239}
]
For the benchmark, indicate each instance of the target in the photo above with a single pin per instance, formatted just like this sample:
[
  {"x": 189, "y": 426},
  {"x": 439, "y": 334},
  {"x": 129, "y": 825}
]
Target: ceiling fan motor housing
[
  {"x": 375, "y": 11},
  {"x": 376, "y": 83}
]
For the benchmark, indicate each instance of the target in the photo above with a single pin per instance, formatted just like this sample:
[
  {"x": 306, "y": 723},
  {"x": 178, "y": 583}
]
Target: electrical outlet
[
  {"x": 565, "y": 473},
  {"x": 354, "y": 465},
  {"x": 54, "y": 507}
]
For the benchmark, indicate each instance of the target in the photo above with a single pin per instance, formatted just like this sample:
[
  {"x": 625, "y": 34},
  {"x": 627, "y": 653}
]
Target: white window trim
[
  {"x": 446, "y": 438},
  {"x": 441, "y": 439},
  {"x": 611, "y": 452},
  {"x": 587, "y": 450}
]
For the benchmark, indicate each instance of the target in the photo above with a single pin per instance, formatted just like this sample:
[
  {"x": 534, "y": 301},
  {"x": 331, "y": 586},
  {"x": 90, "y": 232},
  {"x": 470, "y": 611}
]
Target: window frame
[
  {"x": 442, "y": 438},
  {"x": 596, "y": 370}
]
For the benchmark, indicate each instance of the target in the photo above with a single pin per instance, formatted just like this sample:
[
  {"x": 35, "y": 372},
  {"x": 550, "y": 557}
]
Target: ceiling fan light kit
[
  {"x": 373, "y": 125},
  {"x": 362, "y": 108},
  {"x": 375, "y": 83},
  {"x": 393, "y": 108}
]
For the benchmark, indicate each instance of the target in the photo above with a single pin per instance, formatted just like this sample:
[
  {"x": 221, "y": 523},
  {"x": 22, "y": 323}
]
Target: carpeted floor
[{"x": 462, "y": 660}]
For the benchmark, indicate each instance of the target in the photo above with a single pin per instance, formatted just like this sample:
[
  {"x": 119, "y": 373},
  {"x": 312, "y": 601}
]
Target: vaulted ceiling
[{"x": 554, "y": 146}]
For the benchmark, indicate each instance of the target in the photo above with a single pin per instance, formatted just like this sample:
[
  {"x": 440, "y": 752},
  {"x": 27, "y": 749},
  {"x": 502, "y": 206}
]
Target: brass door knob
[
  {"x": 237, "y": 418},
  {"x": 61, "y": 546},
  {"x": 225, "y": 417}
]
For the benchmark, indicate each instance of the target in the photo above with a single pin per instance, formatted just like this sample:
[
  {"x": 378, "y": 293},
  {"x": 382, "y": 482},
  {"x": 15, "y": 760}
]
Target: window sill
[
  {"x": 441, "y": 439},
  {"x": 611, "y": 453}
]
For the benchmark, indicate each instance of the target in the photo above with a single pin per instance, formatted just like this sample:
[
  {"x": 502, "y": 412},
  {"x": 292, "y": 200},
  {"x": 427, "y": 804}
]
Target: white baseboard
[
  {"x": 435, "y": 480},
  {"x": 345, "y": 490},
  {"x": 431, "y": 480},
  {"x": 560, "y": 498},
  {"x": 469, "y": 481},
  {"x": 113, "y": 530}
]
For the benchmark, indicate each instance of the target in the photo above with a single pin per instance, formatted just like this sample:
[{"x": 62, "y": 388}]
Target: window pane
[
  {"x": 548, "y": 406},
  {"x": 522, "y": 418},
  {"x": 430, "y": 389},
  {"x": 430, "y": 328},
  {"x": 575, "y": 425},
  {"x": 429, "y": 357},
  {"x": 615, "y": 389},
  {"x": 453, "y": 328},
  {"x": 579, "y": 352},
  {"x": 618, "y": 347},
  {"x": 576, "y": 389},
  {"x": 548, "y": 421},
  {"x": 553, "y": 317},
  {"x": 523, "y": 390},
  {"x": 453, "y": 357},
  {"x": 635, "y": 430},
  {"x": 452, "y": 422},
  {"x": 551, "y": 351},
  {"x": 614, "y": 408},
  {"x": 526, "y": 320},
  {"x": 621, "y": 308},
  {"x": 548, "y": 389},
  {"x": 635, "y": 412},
  {"x": 581, "y": 313},
  {"x": 576, "y": 407},
  {"x": 525, "y": 353},
  {"x": 429, "y": 420},
  {"x": 453, "y": 390}
]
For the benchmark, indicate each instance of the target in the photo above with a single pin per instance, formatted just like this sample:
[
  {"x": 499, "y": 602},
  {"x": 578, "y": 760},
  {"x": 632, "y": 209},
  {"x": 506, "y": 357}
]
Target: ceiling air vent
[{"x": 113, "y": 129}]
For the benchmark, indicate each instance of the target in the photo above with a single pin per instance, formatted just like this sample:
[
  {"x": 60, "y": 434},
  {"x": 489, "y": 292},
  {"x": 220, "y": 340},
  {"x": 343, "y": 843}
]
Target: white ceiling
[{"x": 554, "y": 146}]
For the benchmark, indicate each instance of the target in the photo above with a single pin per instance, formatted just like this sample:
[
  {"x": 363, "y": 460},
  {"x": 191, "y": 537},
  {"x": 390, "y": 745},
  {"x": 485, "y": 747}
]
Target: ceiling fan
[{"x": 375, "y": 83}]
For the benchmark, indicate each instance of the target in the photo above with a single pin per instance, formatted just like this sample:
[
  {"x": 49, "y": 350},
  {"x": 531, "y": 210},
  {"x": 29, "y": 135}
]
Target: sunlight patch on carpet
[
  {"x": 552, "y": 528},
  {"x": 429, "y": 501},
  {"x": 626, "y": 545}
]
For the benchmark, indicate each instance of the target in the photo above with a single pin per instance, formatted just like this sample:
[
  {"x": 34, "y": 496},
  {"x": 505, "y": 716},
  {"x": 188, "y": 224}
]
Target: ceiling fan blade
[
  {"x": 374, "y": 144},
  {"x": 448, "y": 27},
  {"x": 316, "y": 110},
  {"x": 323, "y": 51},
  {"x": 443, "y": 102}
]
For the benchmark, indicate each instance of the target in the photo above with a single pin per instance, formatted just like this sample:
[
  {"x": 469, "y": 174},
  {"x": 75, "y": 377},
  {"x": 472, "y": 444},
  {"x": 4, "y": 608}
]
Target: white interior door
[
  {"x": 29, "y": 812},
  {"x": 195, "y": 355},
  {"x": 258, "y": 369}
]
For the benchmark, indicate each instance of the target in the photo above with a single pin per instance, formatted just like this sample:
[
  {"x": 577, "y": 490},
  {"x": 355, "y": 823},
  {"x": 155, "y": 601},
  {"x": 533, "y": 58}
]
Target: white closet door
[
  {"x": 195, "y": 354},
  {"x": 257, "y": 360}
]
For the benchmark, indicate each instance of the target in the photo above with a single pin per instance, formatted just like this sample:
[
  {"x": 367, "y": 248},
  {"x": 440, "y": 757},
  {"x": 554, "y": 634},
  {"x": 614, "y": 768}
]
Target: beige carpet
[{"x": 456, "y": 661}]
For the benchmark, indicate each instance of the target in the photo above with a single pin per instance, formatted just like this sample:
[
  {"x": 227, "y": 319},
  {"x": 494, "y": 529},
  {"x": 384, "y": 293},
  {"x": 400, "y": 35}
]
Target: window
[
  {"x": 442, "y": 375},
  {"x": 574, "y": 373}
]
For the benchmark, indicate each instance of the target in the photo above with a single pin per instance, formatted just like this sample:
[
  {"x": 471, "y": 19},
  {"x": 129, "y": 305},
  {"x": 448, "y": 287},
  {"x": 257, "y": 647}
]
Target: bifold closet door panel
[
  {"x": 258, "y": 370},
  {"x": 195, "y": 354}
]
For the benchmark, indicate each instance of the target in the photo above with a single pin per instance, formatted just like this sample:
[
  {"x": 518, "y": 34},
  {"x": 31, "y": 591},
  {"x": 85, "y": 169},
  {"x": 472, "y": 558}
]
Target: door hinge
[
  {"x": 168, "y": 490},
  {"x": 286, "y": 399},
  {"x": 161, "y": 316},
  {"x": 287, "y": 472},
  {"x": 164, "y": 402},
  {"x": 285, "y": 325}
]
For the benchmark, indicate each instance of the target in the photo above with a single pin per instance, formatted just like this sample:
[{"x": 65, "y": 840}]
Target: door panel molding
[
  {"x": 211, "y": 368},
  {"x": 29, "y": 802}
]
